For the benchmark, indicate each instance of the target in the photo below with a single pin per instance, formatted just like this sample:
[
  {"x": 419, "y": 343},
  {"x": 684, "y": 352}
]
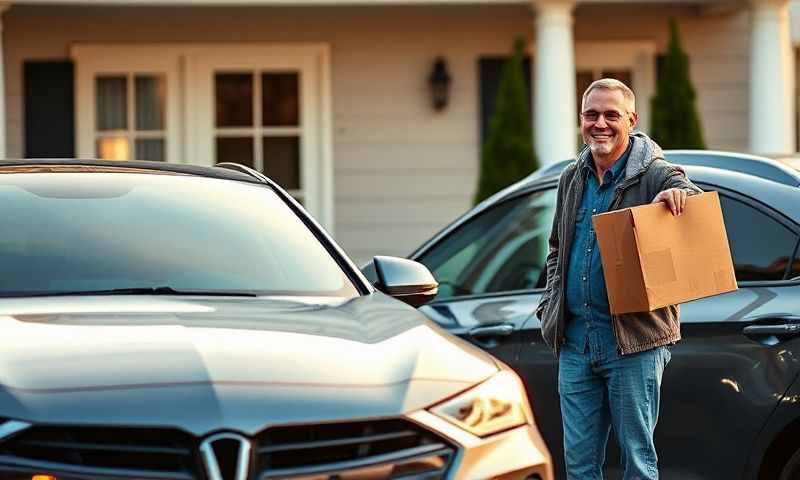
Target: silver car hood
[{"x": 203, "y": 364}]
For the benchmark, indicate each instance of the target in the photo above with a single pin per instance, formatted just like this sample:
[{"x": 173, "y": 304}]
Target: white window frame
[
  {"x": 94, "y": 61},
  {"x": 189, "y": 127}
]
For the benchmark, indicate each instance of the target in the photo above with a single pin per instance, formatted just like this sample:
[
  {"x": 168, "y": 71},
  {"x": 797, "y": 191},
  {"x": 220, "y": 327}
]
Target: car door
[
  {"x": 731, "y": 369},
  {"x": 490, "y": 271},
  {"x": 723, "y": 380}
]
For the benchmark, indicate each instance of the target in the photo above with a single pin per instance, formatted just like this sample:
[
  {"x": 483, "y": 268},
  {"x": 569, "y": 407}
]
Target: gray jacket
[{"x": 646, "y": 174}]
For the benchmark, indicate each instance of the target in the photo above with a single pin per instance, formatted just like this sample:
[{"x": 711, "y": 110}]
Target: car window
[
  {"x": 500, "y": 250},
  {"x": 72, "y": 232},
  {"x": 760, "y": 246}
]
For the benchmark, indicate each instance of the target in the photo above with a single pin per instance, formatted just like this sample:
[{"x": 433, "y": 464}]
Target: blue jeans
[{"x": 596, "y": 394}]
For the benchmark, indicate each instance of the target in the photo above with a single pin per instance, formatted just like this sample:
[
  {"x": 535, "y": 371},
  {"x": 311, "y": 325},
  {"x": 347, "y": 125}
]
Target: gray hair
[{"x": 612, "y": 84}]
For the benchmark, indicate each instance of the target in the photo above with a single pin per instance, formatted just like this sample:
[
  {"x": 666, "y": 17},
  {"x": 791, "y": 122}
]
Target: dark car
[
  {"x": 169, "y": 322},
  {"x": 731, "y": 399}
]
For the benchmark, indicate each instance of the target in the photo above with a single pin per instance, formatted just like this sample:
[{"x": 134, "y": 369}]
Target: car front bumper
[{"x": 516, "y": 454}]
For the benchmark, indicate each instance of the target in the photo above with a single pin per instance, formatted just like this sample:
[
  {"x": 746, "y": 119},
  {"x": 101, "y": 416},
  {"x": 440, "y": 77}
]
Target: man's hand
[{"x": 675, "y": 198}]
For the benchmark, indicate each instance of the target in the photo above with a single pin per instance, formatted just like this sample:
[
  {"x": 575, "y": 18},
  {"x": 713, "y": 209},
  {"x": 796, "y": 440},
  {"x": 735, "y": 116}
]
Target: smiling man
[{"x": 610, "y": 366}]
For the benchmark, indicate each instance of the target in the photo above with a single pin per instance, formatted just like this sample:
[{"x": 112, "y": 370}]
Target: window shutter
[{"x": 49, "y": 109}]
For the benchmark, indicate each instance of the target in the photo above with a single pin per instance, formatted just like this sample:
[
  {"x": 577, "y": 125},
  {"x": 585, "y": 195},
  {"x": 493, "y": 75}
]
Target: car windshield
[{"x": 134, "y": 232}]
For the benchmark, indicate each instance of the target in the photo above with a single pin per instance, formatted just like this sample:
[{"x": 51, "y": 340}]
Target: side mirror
[{"x": 405, "y": 280}]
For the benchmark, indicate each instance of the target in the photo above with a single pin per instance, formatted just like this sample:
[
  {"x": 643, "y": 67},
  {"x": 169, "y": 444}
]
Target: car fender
[{"x": 786, "y": 415}]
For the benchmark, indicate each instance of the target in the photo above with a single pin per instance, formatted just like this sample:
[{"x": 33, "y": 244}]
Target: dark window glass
[
  {"x": 280, "y": 99},
  {"x": 235, "y": 149},
  {"x": 151, "y": 96},
  {"x": 234, "y": 99},
  {"x": 761, "y": 247},
  {"x": 501, "y": 250},
  {"x": 794, "y": 270},
  {"x": 282, "y": 161},
  {"x": 150, "y": 149},
  {"x": 99, "y": 231},
  {"x": 112, "y": 103}
]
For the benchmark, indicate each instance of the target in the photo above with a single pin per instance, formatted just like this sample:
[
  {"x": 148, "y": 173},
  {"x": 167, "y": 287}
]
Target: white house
[{"x": 332, "y": 98}]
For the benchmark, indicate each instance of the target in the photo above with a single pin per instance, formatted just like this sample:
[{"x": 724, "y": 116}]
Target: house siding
[{"x": 401, "y": 170}]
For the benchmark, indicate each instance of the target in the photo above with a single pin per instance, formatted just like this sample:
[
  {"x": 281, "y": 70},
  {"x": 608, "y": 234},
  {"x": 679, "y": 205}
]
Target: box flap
[{"x": 622, "y": 270}]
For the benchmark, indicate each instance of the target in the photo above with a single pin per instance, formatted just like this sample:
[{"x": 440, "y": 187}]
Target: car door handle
[
  {"x": 781, "y": 329},
  {"x": 769, "y": 333},
  {"x": 501, "y": 330}
]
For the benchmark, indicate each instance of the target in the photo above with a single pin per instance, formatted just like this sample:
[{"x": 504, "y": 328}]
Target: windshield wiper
[{"x": 133, "y": 291}]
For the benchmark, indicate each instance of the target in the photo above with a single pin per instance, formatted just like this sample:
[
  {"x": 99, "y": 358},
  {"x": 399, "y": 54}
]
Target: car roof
[
  {"x": 777, "y": 195},
  {"x": 221, "y": 171},
  {"x": 738, "y": 162}
]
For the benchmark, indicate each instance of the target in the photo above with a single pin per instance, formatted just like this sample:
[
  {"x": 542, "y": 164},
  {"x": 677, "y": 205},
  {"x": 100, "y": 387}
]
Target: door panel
[
  {"x": 470, "y": 318},
  {"x": 721, "y": 386}
]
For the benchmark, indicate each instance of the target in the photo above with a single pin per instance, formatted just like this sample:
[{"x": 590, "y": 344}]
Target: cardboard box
[{"x": 652, "y": 259}]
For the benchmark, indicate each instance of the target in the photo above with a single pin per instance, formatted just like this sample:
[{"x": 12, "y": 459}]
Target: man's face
[{"x": 606, "y": 122}]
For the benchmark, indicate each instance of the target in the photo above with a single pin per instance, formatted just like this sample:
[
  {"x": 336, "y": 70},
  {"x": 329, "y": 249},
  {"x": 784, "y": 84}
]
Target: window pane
[
  {"x": 282, "y": 161},
  {"x": 113, "y": 148},
  {"x": 503, "y": 249},
  {"x": 280, "y": 99},
  {"x": 623, "y": 76},
  {"x": 112, "y": 103},
  {"x": 150, "y": 149},
  {"x": 234, "y": 99},
  {"x": 760, "y": 246},
  {"x": 150, "y": 99},
  {"x": 794, "y": 270},
  {"x": 238, "y": 150}
]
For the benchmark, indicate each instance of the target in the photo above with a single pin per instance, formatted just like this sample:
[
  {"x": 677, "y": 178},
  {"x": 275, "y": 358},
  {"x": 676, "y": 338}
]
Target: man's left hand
[{"x": 675, "y": 198}]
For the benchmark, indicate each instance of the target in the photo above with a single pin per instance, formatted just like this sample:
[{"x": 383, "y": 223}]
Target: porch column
[
  {"x": 554, "y": 110},
  {"x": 772, "y": 79}
]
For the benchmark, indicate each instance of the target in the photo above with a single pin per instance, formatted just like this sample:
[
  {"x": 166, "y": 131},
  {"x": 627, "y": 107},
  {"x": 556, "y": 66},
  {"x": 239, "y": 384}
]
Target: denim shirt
[{"x": 589, "y": 326}]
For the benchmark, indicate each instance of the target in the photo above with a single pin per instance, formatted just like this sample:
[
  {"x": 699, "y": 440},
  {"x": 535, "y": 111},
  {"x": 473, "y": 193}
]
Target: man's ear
[{"x": 633, "y": 118}]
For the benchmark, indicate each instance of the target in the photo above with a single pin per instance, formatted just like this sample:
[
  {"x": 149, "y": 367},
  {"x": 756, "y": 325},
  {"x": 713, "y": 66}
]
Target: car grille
[
  {"x": 370, "y": 450},
  {"x": 386, "y": 449},
  {"x": 133, "y": 452}
]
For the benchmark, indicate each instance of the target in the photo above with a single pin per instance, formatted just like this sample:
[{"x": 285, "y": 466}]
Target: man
[{"x": 610, "y": 366}]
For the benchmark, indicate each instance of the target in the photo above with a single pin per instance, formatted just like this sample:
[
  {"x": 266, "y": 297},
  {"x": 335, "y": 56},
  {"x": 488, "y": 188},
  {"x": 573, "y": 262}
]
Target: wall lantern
[{"x": 439, "y": 82}]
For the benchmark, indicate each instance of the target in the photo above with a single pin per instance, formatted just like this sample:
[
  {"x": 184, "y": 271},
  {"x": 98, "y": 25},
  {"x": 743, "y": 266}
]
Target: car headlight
[{"x": 495, "y": 405}]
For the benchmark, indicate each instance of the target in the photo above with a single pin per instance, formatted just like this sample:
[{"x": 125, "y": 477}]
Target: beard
[{"x": 600, "y": 148}]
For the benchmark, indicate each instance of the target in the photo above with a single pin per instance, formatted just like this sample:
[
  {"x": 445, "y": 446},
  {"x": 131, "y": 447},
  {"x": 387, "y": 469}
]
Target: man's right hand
[{"x": 675, "y": 198}]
